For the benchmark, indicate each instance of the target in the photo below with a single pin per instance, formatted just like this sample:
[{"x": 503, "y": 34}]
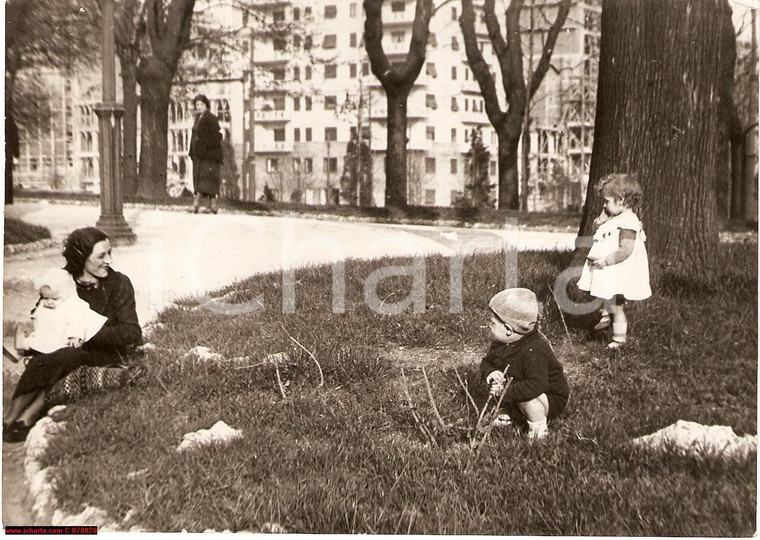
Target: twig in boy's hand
[{"x": 466, "y": 391}]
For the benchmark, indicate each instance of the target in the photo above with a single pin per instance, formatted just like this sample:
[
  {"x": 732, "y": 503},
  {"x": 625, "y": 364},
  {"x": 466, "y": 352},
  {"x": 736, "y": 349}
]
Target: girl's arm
[{"x": 624, "y": 250}]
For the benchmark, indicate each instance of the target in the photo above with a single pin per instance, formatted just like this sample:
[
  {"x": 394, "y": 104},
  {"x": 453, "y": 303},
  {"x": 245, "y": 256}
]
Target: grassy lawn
[
  {"x": 348, "y": 456},
  {"x": 21, "y": 232}
]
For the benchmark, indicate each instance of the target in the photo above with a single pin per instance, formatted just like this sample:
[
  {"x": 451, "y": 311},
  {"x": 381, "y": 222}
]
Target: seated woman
[{"x": 88, "y": 259}]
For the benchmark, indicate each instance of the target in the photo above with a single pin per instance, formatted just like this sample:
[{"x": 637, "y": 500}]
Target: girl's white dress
[{"x": 629, "y": 278}]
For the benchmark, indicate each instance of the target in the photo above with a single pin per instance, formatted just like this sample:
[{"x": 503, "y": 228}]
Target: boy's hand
[
  {"x": 74, "y": 342},
  {"x": 496, "y": 381}
]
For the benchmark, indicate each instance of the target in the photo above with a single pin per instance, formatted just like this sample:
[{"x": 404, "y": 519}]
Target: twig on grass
[
  {"x": 432, "y": 400},
  {"x": 417, "y": 420},
  {"x": 562, "y": 316},
  {"x": 321, "y": 375},
  {"x": 279, "y": 381}
]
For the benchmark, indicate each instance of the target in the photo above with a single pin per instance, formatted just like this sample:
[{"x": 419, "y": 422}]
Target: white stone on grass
[
  {"x": 204, "y": 353},
  {"x": 691, "y": 438},
  {"x": 218, "y": 433}
]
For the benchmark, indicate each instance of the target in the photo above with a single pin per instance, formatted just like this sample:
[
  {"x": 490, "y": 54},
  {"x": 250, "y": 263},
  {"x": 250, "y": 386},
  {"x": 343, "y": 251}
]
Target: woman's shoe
[{"x": 15, "y": 432}]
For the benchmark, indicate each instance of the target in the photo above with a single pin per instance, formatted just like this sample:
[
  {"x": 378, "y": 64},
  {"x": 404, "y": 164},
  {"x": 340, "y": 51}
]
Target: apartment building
[{"x": 297, "y": 88}]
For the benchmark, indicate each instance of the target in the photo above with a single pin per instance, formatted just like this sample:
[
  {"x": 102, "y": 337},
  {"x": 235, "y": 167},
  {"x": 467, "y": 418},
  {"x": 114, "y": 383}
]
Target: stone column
[{"x": 109, "y": 113}]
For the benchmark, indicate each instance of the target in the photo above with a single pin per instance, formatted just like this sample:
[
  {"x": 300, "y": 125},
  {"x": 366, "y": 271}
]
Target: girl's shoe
[
  {"x": 615, "y": 345},
  {"x": 195, "y": 209},
  {"x": 604, "y": 322}
]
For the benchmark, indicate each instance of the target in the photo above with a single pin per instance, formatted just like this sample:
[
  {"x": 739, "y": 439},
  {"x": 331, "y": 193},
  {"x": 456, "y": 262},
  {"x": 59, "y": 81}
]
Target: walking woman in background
[
  {"x": 110, "y": 293},
  {"x": 206, "y": 153}
]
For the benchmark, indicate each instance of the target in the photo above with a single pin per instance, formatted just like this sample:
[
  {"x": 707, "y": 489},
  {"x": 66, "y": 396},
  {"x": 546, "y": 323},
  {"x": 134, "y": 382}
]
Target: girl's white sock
[{"x": 619, "y": 331}]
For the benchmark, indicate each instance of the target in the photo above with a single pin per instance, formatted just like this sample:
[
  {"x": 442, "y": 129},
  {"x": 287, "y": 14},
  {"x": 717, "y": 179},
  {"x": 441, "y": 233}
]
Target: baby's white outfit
[
  {"x": 630, "y": 277},
  {"x": 70, "y": 318}
]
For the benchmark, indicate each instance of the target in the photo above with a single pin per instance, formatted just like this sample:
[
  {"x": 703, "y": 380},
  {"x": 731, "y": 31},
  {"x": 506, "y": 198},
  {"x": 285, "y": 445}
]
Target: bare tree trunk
[
  {"x": 508, "y": 170},
  {"x": 395, "y": 156},
  {"x": 155, "y": 84},
  {"x": 129, "y": 126},
  {"x": 657, "y": 116}
]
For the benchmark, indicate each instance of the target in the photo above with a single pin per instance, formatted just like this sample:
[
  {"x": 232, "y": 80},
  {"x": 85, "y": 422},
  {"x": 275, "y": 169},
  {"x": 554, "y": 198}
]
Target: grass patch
[
  {"x": 21, "y": 232},
  {"x": 348, "y": 457}
]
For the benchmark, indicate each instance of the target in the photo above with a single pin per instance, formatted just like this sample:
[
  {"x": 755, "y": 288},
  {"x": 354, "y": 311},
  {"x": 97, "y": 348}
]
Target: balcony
[
  {"x": 272, "y": 147},
  {"x": 398, "y": 18},
  {"x": 270, "y": 57},
  {"x": 279, "y": 117},
  {"x": 259, "y": 4}
]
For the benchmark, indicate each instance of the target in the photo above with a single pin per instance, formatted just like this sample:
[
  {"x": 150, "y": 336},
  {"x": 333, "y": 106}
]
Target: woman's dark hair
[
  {"x": 204, "y": 99},
  {"x": 78, "y": 247}
]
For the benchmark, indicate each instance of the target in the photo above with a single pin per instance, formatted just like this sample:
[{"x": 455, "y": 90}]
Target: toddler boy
[{"x": 539, "y": 389}]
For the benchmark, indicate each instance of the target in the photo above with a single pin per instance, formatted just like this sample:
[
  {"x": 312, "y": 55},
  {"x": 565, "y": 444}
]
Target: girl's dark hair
[
  {"x": 621, "y": 186},
  {"x": 78, "y": 247},
  {"x": 204, "y": 99}
]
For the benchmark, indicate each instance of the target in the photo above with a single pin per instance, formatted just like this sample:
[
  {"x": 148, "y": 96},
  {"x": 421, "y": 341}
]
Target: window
[
  {"x": 398, "y": 5},
  {"x": 453, "y": 73},
  {"x": 453, "y": 135},
  {"x": 296, "y": 164},
  {"x": 307, "y": 11},
  {"x": 296, "y": 73},
  {"x": 307, "y": 73},
  {"x": 279, "y": 134},
  {"x": 454, "y": 43},
  {"x": 352, "y": 70},
  {"x": 297, "y": 135},
  {"x": 296, "y": 42},
  {"x": 430, "y": 69},
  {"x": 352, "y": 10},
  {"x": 430, "y": 197},
  {"x": 466, "y": 108},
  {"x": 331, "y": 102},
  {"x": 352, "y": 39},
  {"x": 296, "y": 14},
  {"x": 272, "y": 165},
  {"x": 330, "y": 165},
  {"x": 330, "y": 41},
  {"x": 453, "y": 166},
  {"x": 331, "y": 71},
  {"x": 331, "y": 12},
  {"x": 493, "y": 168},
  {"x": 308, "y": 134},
  {"x": 278, "y": 74},
  {"x": 308, "y": 165},
  {"x": 430, "y": 165},
  {"x": 278, "y": 15},
  {"x": 365, "y": 68},
  {"x": 397, "y": 36},
  {"x": 279, "y": 103},
  {"x": 331, "y": 134},
  {"x": 430, "y": 102},
  {"x": 454, "y": 105},
  {"x": 308, "y": 43},
  {"x": 296, "y": 103},
  {"x": 245, "y": 18},
  {"x": 430, "y": 133},
  {"x": 432, "y": 41},
  {"x": 466, "y": 133},
  {"x": 466, "y": 74},
  {"x": 453, "y": 14},
  {"x": 279, "y": 44},
  {"x": 307, "y": 103}
]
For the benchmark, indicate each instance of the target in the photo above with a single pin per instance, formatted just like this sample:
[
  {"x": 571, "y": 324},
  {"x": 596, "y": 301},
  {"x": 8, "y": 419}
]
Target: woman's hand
[{"x": 74, "y": 342}]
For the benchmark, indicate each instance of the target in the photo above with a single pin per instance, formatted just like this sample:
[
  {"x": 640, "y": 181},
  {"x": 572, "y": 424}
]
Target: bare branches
[{"x": 432, "y": 400}]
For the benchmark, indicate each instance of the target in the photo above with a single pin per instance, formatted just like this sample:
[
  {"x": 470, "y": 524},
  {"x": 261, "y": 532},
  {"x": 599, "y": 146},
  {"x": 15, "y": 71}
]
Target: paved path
[{"x": 179, "y": 254}]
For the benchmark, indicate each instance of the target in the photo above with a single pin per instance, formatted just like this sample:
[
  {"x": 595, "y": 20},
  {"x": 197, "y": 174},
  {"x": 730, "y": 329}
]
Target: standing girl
[{"x": 617, "y": 268}]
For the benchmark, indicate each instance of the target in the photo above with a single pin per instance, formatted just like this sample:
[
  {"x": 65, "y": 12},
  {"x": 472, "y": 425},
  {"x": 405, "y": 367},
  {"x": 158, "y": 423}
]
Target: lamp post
[{"x": 109, "y": 113}]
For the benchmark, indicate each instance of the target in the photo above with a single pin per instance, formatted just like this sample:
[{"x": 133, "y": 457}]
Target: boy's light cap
[{"x": 516, "y": 307}]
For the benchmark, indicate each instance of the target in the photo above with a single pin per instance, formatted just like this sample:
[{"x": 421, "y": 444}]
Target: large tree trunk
[
  {"x": 129, "y": 125},
  {"x": 155, "y": 85},
  {"x": 508, "y": 169},
  {"x": 657, "y": 115},
  {"x": 395, "y": 156}
]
